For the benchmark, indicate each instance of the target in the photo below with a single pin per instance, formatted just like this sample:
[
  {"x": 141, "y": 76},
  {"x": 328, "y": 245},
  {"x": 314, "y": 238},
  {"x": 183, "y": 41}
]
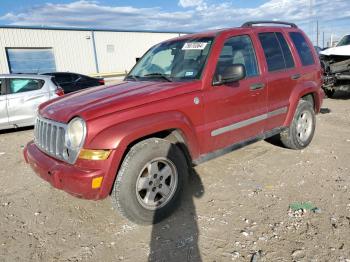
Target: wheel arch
[
  {"x": 173, "y": 135},
  {"x": 307, "y": 92},
  {"x": 310, "y": 98},
  {"x": 173, "y": 126}
]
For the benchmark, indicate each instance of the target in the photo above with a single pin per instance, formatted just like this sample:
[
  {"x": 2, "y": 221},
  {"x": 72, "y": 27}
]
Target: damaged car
[{"x": 336, "y": 65}]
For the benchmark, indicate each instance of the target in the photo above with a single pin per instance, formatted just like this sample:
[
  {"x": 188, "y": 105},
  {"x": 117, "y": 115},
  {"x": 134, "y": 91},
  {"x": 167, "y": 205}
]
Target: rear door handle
[
  {"x": 257, "y": 86},
  {"x": 295, "y": 77}
]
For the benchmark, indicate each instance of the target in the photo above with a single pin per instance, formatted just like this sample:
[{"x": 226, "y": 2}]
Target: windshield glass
[
  {"x": 344, "y": 41},
  {"x": 179, "y": 60}
]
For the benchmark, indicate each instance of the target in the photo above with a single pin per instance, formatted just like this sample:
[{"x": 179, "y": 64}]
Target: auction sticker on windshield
[{"x": 194, "y": 46}]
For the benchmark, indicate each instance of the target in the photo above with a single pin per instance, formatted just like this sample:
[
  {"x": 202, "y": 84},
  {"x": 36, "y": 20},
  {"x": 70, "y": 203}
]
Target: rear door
[
  {"x": 281, "y": 74},
  {"x": 4, "y": 122},
  {"x": 24, "y": 95},
  {"x": 235, "y": 112},
  {"x": 309, "y": 68}
]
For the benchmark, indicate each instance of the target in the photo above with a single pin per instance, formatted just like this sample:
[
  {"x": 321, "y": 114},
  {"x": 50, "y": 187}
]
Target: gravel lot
[{"x": 235, "y": 209}]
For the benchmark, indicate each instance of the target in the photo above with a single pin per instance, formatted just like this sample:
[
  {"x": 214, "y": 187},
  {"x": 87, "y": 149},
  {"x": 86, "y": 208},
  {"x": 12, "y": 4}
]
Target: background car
[
  {"x": 71, "y": 82},
  {"x": 336, "y": 66},
  {"x": 20, "y": 96}
]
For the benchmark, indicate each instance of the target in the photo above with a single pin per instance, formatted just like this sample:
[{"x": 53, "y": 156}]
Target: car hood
[
  {"x": 338, "y": 50},
  {"x": 97, "y": 101}
]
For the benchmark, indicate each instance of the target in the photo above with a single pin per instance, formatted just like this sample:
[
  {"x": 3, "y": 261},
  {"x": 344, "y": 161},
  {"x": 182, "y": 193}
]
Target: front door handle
[
  {"x": 257, "y": 86},
  {"x": 295, "y": 77}
]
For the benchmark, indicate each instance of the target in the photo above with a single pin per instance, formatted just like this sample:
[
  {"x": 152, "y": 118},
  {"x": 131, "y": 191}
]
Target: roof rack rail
[{"x": 251, "y": 23}]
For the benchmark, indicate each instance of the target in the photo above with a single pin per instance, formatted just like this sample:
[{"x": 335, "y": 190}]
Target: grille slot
[{"x": 49, "y": 137}]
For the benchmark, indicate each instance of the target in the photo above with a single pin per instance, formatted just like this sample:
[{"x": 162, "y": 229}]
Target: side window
[
  {"x": 238, "y": 50},
  {"x": 286, "y": 50},
  {"x": 277, "y": 51},
  {"x": 273, "y": 52},
  {"x": 303, "y": 48},
  {"x": 24, "y": 85},
  {"x": 64, "y": 78}
]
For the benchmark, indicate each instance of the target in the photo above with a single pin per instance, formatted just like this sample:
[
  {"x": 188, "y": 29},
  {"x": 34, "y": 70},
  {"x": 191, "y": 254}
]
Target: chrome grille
[{"x": 49, "y": 137}]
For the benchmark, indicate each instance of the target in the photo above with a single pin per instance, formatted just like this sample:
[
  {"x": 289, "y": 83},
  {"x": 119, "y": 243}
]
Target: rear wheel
[
  {"x": 302, "y": 128},
  {"x": 150, "y": 181}
]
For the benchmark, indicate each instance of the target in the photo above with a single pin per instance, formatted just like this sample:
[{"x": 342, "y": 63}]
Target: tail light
[
  {"x": 101, "y": 81},
  {"x": 59, "y": 91}
]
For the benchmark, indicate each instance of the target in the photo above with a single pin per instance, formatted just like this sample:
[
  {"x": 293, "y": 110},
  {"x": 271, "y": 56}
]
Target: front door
[
  {"x": 4, "y": 121},
  {"x": 235, "y": 112},
  {"x": 24, "y": 97}
]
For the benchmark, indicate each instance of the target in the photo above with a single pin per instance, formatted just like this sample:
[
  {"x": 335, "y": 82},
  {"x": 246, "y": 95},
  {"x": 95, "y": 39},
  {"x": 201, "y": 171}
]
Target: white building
[{"x": 81, "y": 50}]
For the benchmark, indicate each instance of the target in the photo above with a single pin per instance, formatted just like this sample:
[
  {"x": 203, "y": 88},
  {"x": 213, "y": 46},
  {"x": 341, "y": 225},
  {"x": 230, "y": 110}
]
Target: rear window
[
  {"x": 303, "y": 48},
  {"x": 54, "y": 81},
  {"x": 63, "y": 78},
  {"x": 20, "y": 85},
  {"x": 85, "y": 78},
  {"x": 276, "y": 50}
]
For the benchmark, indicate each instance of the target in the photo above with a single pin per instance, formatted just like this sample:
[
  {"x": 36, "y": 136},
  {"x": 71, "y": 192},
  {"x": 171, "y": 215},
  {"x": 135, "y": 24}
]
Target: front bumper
[{"x": 74, "y": 179}]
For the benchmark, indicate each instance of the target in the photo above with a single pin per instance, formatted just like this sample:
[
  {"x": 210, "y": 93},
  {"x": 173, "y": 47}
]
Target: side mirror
[
  {"x": 137, "y": 59},
  {"x": 230, "y": 74}
]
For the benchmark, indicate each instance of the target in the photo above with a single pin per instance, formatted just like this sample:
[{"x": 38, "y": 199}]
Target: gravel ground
[{"x": 235, "y": 209}]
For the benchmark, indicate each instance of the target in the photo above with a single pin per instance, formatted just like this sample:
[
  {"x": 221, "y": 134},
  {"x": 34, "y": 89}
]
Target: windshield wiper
[
  {"x": 159, "y": 75},
  {"x": 132, "y": 77}
]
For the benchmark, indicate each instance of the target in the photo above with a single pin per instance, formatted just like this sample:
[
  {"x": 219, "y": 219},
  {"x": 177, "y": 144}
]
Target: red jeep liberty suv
[{"x": 187, "y": 100}]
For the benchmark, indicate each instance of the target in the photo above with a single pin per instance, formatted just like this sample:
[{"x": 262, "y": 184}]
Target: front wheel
[
  {"x": 302, "y": 128},
  {"x": 150, "y": 181}
]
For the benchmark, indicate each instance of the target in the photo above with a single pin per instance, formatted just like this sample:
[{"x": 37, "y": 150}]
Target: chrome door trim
[
  {"x": 230, "y": 148},
  {"x": 249, "y": 121}
]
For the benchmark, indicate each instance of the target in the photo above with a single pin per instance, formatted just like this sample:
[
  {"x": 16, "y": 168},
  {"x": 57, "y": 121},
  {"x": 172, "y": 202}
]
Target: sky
[{"x": 333, "y": 16}]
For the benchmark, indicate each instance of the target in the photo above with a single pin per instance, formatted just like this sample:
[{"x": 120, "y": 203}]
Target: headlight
[{"x": 75, "y": 134}]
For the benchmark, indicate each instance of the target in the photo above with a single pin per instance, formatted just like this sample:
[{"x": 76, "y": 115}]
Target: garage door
[{"x": 31, "y": 60}]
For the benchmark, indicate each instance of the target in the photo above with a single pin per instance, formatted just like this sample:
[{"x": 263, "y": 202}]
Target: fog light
[
  {"x": 96, "y": 182},
  {"x": 89, "y": 154}
]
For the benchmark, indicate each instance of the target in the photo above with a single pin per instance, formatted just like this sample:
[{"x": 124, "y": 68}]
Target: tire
[
  {"x": 329, "y": 92},
  {"x": 301, "y": 131},
  {"x": 141, "y": 193}
]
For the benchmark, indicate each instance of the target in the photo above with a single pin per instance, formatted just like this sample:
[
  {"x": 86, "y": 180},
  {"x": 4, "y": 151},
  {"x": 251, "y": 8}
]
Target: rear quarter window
[{"x": 303, "y": 49}]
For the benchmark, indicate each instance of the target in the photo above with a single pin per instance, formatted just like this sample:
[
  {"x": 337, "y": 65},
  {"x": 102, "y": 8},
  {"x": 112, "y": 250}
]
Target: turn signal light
[
  {"x": 96, "y": 182},
  {"x": 90, "y": 154}
]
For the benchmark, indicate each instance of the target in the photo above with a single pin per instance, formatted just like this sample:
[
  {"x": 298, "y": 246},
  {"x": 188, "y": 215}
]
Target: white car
[
  {"x": 20, "y": 96},
  {"x": 336, "y": 65},
  {"x": 341, "y": 49}
]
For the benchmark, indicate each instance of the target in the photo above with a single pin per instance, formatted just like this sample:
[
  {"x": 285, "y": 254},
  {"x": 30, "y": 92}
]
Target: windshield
[
  {"x": 179, "y": 60},
  {"x": 344, "y": 41}
]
